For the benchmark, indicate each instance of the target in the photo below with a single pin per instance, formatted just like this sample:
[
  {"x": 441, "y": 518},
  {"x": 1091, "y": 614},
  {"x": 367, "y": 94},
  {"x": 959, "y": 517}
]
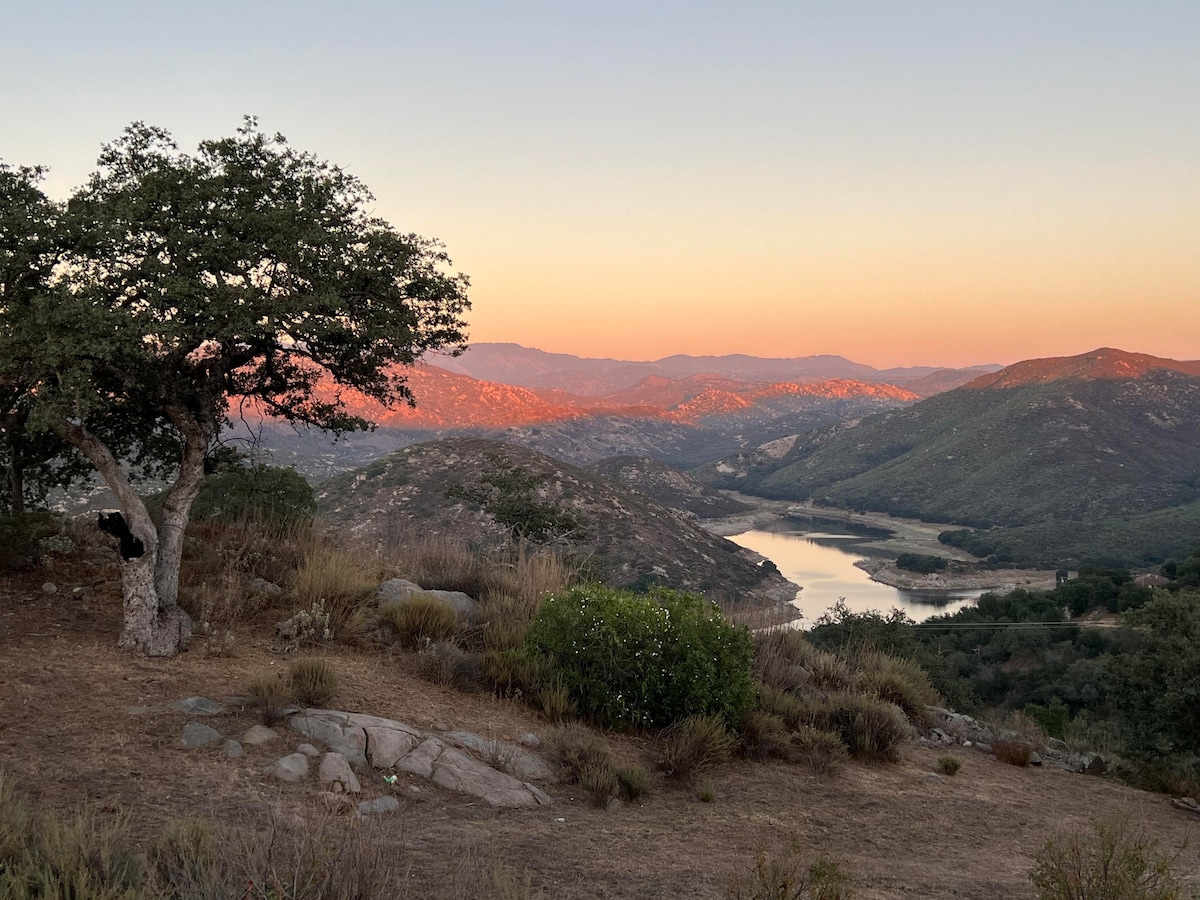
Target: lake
[{"x": 819, "y": 555}]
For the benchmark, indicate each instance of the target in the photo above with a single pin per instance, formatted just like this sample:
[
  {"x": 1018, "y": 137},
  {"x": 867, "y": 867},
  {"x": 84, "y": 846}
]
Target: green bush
[
  {"x": 871, "y": 729},
  {"x": 693, "y": 746},
  {"x": 259, "y": 492},
  {"x": 899, "y": 681},
  {"x": 420, "y": 619},
  {"x": 949, "y": 765},
  {"x": 1112, "y": 863},
  {"x": 637, "y": 661},
  {"x": 823, "y": 751},
  {"x": 763, "y": 736},
  {"x": 313, "y": 681},
  {"x": 513, "y": 673}
]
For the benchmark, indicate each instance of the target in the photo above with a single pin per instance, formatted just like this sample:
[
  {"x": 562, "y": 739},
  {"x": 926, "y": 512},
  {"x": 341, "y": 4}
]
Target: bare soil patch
[{"x": 71, "y": 732}]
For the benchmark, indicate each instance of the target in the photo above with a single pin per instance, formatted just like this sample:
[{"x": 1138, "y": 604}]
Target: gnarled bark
[{"x": 150, "y": 626}]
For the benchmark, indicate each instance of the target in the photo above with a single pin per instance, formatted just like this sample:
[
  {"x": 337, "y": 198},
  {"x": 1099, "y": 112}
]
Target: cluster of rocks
[
  {"x": 952, "y": 728},
  {"x": 501, "y": 773}
]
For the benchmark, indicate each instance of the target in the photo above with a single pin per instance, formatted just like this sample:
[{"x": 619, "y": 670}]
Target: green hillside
[{"x": 1085, "y": 464}]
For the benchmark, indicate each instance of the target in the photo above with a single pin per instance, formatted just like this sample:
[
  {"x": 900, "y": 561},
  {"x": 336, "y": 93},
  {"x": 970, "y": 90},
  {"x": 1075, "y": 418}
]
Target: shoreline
[{"x": 879, "y": 554}]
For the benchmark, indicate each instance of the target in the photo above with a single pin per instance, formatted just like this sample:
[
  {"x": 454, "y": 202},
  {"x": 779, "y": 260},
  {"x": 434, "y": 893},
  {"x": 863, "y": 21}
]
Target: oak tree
[{"x": 187, "y": 284}]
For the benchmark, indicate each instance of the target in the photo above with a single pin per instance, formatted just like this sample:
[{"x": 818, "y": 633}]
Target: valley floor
[{"x": 81, "y": 722}]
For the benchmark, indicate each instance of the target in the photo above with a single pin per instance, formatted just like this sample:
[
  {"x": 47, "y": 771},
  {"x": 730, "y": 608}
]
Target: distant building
[{"x": 1153, "y": 579}]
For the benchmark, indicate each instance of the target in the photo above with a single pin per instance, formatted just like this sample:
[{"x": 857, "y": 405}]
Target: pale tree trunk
[
  {"x": 176, "y": 512},
  {"x": 150, "y": 626}
]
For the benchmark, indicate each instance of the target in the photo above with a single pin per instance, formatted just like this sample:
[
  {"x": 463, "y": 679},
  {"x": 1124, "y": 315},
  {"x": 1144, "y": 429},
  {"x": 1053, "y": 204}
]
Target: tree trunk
[
  {"x": 176, "y": 512},
  {"x": 149, "y": 626}
]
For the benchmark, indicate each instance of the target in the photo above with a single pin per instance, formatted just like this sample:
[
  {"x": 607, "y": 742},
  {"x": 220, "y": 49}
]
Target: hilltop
[
  {"x": 1061, "y": 446},
  {"x": 479, "y": 492}
]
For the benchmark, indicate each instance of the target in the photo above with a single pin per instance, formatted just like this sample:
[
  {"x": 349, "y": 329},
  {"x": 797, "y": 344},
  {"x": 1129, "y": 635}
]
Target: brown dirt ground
[{"x": 66, "y": 736}]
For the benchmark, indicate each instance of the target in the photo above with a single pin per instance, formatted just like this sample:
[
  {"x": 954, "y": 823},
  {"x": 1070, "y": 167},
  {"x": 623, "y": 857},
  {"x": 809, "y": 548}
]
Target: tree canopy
[{"x": 173, "y": 288}]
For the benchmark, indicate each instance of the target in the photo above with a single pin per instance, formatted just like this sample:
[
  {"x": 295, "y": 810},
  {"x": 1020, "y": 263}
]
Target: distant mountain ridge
[
  {"x": 1076, "y": 440},
  {"x": 528, "y": 367}
]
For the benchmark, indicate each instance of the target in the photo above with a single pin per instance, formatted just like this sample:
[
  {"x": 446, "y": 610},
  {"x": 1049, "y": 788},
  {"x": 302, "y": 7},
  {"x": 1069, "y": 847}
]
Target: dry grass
[
  {"x": 788, "y": 874},
  {"x": 949, "y": 765},
  {"x": 419, "y": 620},
  {"x": 899, "y": 681},
  {"x": 344, "y": 581},
  {"x": 694, "y": 746},
  {"x": 449, "y": 665},
  {"x": 313, "y": 682},
  {"x": 783, "y": 658},
  {"x": 1015, "y": 753},
  {"x": 1114, "y": 862},
  {"x": 270, "y": 695}
]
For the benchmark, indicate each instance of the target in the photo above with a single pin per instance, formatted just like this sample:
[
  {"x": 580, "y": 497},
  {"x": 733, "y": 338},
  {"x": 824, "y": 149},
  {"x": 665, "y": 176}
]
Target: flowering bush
[{"x": 631, "y": 660}]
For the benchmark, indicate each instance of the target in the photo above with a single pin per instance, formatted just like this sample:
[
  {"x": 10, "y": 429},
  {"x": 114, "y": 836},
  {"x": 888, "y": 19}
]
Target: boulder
[
  {"x": 293, "y": 768},
  {"x": 506, "y": 757},
  {"x": 399, "y": 590},
  {"x": 198, "y": 735},
  {"x": 334, "y": 731},
  {"x": 378, "y": 806},
  {"x": 257, "y": 735},
  {"x": 456, "y": 771},
  {"x": 198, "y": 706},
  {"x": 232, "y": 749},
  {"x": 420, "y": 761},
  {"x": 308, "y": 750},
  {"x": 336, "y": 775},
  {"x": 385, "y": 746}
]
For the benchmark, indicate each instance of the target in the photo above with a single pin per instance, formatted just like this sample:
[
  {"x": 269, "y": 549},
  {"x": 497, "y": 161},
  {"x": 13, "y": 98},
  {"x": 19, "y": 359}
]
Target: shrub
[
  {"x": 1015, "y": 752},
  {"x": 420, "y": 619},
  {"x": 313, "y": 681},
  {"x": 949, "y": 765},
  {"x": 342, "y": 583},
  {"x": 1112, "y": 863},
  {"x": 440, "y": 564},
  {"x": 644, "y": 661},
  {"x": 788, "y": 876},
  {"x": 21, "y": 537},
  {"x": 513, "y": 673},
  {"x": 255, "y": 493},
  {"x": 508, "y": 884},
  {"x": 450, "y": 666},
  {"x": 270, "y": 695},
  {"x": 185, "y": 855},
  {"x": 576, "y": 747},
  {"x": 791, "y": 709},
  {"x": 556, "y": 702},
  {"x": 899, "y": 681},
  {"x": 782, "y": 657},
  {"x": 763, "y": 736},
  {"x": 823, "y": 751},
  {"x": 829, "y": 672},
  {"x": 599, "y": 782},
  {"x": 871, "y": 729},
  {"x": 693, "y": 746},
  {"x": 634, "y": 782}
]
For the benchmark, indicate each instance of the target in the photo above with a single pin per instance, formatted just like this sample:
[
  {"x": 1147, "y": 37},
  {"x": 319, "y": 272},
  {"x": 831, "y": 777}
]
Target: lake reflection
[{"x": 821, "y": 560}]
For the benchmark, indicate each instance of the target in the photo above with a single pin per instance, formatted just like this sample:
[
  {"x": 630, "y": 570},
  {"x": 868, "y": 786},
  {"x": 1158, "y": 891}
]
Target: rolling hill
[
  {"x": 480, "y": 492},
  {"x": 1061, "y": 446}
]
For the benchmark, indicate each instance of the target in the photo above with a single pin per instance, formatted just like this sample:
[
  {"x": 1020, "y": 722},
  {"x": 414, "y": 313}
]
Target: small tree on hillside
[{"x": 247, "y": 272}]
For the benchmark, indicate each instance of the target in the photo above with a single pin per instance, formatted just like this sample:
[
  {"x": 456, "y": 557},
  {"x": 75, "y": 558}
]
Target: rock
[
  {"x": 385, "y": 746},
  {"x": 539, "y": 795},
  {"x": 334, "y": 731},
  {"x": 257, "y": 735},
  {"x": 293, "y": 767},
  {"x": 1187, "y": 804},
  {"x": 335, "y": 774},
  {"x": 612, "y": 805},
  {"x": 1035, "y": 759},
  {"x": 504, "y": 756},
  {"x": 198, "y": 706},
  {"x": 197, "y": 735},
  {"x": 308, "y": 750},
  {"x": 530, "y": 740},
  {"x": 398, "y": 590},
  {"x": 378, "y": 806},
  {"x": 456, "y": 771},
  {"x": 49, "y": 588},
  {"x": 258, "y": 585},
  {"x": 413, "y": 791},
  {"x": 420, "y": 761},
  {"x": 1056, "y": 745},
  {"x": 232, "y": 749}
]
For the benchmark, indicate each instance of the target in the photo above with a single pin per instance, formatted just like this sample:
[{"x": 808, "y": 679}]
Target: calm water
[{"x": 819, "y": 555}]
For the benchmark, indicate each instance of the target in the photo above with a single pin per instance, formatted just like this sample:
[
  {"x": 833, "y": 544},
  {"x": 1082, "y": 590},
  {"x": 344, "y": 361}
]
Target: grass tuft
[
  {"x": 693, "y": 746},
  {"x": 270, "y": 695},
  {"x": 313, "y": 681},
  {"x": 421, "y": 619}
]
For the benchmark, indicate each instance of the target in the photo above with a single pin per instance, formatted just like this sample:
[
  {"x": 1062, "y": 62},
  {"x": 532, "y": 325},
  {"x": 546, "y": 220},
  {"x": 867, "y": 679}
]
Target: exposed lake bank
[{"x": 882, "y": 539}]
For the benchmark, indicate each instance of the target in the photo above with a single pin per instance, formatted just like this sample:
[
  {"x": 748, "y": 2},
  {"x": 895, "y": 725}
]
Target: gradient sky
[{"x": 900, "y": 183}]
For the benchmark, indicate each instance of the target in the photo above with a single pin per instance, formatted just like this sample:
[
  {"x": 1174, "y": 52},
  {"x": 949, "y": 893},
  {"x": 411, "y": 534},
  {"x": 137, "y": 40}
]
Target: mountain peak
[{"x": 1102, "y": 363}]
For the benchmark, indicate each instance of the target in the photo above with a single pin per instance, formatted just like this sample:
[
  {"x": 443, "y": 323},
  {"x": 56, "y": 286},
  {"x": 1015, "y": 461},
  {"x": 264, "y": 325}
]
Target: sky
[{"x": 919, "y": 183}]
